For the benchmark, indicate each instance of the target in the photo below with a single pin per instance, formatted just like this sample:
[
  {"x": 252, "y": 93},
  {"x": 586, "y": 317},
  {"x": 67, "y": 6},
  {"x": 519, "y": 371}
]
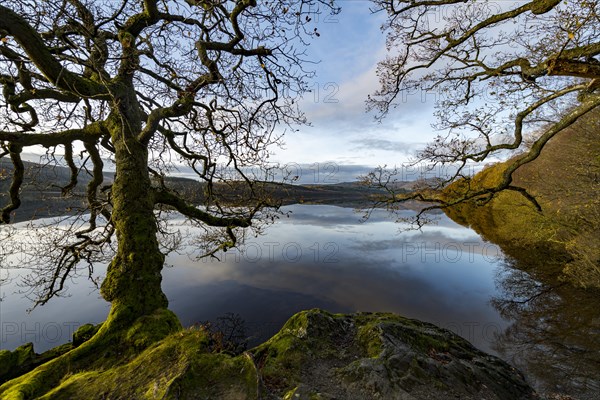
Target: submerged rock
[{"x": 315, "y": 356}]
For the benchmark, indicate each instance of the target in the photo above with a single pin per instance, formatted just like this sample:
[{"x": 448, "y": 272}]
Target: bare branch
[
  {"x": 30, "y": 40},
  {"x": 499, "y": 72},
  {"x": 167, "y": 198},
  {"x": 51, "y": 139},
  {"x": 15, "y": 186}
]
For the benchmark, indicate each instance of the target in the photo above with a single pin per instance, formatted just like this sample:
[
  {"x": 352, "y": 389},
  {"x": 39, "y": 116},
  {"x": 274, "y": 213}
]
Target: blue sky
[
  {"x": 348, "y": 49},
  {"x": 344, "y": 140}
]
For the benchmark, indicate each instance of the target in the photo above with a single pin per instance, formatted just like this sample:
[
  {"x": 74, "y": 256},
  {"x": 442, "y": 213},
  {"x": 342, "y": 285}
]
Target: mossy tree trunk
[
  {"x": 120, "y": 85},
  {"x": 133, "y": 280},
  {"x": 109, "y": 77}
]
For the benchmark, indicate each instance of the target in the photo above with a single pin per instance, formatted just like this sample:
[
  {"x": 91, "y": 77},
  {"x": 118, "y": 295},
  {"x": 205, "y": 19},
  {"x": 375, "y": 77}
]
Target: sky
[
  {"x": 344, "y": 141},
  {"x": 343, "y": 135}
]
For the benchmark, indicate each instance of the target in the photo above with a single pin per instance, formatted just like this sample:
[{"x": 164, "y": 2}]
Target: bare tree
[
  {"x": 146, "y": 85},
  {"x": 499, "y": 70}
]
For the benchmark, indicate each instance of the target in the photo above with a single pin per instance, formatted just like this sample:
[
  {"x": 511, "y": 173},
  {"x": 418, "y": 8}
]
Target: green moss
[
  {"x": 414, "y": 333},
  {"x": 146, "y": 376},
  {"x": 370, "y": 329},
  {"x": 35, "y": 382},
  {"x": 149, "y": 329},
  {"x": 315, "y": 356},
  {"x": 290, "y": 395},
  {"x": 369, "y": 337},
  {"x": 6, "y": 361},
  {"x": 24, "y": 353},
  {"x": 219, "y": 376},
  {"x": 84, "y": 333},
  {"x": 564, "y": 181},
  {"x": 177, "y": 367},
  {"x": 508, "y": 219},
  {"x": 24, "y": 359},
  {"x": 54, "y": 352},
  {"x": 13, "y": 362},
  {"x": 112, "y": 346},
  {"x": 304, "y": 337},
  {"x": 303, "y": 392},
  {"x": 280, "y": 358}
]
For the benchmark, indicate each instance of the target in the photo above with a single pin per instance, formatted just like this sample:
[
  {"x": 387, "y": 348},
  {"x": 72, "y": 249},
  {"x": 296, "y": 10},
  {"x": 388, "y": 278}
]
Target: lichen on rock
[
  {"x": 380, "y": 356},
  {"x": 315, "y": 356}
]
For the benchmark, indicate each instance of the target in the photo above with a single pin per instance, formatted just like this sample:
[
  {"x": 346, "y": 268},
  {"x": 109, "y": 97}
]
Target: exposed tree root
[{"x": 114, "y": 344}]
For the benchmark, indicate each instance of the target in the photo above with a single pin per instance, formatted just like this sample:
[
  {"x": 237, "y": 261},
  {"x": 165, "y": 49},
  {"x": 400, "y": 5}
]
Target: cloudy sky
[
  {"x": 342, "y": 132},
  {"x": 344, "y": 141}
]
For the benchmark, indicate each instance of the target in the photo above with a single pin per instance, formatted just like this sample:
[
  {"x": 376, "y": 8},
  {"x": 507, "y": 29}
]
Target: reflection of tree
[
  {"x": 227, "y": 334},
  {"x": 554, "y": 337}
]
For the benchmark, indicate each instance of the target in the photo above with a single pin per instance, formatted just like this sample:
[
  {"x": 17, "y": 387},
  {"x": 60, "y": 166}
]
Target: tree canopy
[
  {"x": 144, "y": 87},
  {"x": 506, "y": 76}
]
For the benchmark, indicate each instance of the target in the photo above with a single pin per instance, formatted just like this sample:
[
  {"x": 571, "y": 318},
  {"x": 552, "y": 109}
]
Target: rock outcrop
[
  {"x": 318, "y": 355},
  {"x": 315, "y": 356}
]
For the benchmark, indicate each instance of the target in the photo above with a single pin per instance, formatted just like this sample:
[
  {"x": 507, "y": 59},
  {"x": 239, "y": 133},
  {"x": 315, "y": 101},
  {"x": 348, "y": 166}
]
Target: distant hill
[
  {"x": 41, "y": 193},
  {"x": 347, "y": 193}
]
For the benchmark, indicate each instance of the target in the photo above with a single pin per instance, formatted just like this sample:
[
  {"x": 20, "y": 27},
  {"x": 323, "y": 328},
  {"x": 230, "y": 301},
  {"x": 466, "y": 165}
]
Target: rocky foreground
[{"x": 315, "y": 356}]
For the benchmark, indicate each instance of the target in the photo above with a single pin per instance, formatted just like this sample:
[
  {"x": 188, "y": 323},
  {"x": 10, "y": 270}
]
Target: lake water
[{"x": 321, "y": 256}]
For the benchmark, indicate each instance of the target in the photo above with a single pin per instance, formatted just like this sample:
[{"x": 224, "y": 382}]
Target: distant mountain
[{"x": 41, "y": 194}]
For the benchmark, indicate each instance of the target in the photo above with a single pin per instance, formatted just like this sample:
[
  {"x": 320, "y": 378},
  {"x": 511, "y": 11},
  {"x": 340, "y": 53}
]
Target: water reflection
[
  {"x": 555, "y": 329},
  {"x": 323, "y": 256}
]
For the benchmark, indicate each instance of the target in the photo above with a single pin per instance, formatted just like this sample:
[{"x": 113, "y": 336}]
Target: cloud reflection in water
[{"x": 323, "y": 256}]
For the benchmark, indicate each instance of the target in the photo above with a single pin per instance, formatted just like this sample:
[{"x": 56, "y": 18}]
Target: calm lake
[{"x": 324, "y": 256}]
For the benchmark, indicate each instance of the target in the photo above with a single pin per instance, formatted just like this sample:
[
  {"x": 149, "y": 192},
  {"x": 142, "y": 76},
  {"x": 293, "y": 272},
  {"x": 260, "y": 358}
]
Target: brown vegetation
[{"x": 565, "y": 180}]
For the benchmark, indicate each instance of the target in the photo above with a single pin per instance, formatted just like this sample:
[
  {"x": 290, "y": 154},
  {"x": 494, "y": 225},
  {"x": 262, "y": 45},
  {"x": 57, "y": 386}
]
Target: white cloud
[{"x": 342, "y": 130}]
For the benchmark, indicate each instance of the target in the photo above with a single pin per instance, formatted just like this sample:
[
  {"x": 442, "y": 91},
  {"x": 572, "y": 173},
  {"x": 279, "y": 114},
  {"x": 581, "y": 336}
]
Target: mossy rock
[
  {"x": 315, "y": 356},
  {"x": 23, "y": 359},
  {"x": 379, "y": 356},
  {"x": 84, "y": 333},
  {"x": 11, "y": 362}
]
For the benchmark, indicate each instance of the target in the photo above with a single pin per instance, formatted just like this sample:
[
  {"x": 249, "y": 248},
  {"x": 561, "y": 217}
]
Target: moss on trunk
[
  {"x": 133, "y": 280},
  {"x": 138, "y": 317}
]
